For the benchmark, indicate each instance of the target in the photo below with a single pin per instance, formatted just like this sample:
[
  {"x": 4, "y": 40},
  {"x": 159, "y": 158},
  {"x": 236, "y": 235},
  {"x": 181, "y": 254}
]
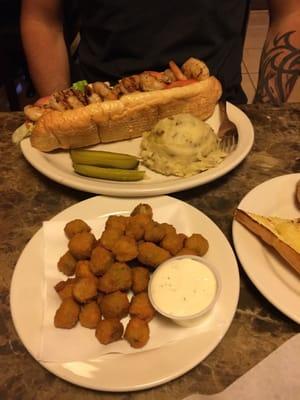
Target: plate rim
[
  {"x": 56, "y": 368},
  {"x": 236, "y": 227},
  {"x": 129, "y": 190}
]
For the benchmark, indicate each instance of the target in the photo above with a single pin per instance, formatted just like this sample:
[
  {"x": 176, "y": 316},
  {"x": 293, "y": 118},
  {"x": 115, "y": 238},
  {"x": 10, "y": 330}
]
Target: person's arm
[
  {"x": 280, "y": 59},
  {"x": 44, "y": 45}
]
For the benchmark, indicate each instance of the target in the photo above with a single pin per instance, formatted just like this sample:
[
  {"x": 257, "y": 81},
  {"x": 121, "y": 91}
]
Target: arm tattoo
[{"x": 279, "y": 70}]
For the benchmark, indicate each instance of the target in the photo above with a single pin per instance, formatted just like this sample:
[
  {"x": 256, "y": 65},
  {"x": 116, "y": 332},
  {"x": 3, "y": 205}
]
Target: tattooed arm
[{"x": 280, "y": 59}]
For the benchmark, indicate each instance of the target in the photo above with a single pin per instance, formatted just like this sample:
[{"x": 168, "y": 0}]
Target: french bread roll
[
  {"x": 125, "y": 118},
  {"x": 283, "y": 235}
]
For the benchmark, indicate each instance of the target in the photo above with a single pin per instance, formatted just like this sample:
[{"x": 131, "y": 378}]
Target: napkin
[
  {"x": 277, "y": 377},
  {"x": 79, "y": 343}
]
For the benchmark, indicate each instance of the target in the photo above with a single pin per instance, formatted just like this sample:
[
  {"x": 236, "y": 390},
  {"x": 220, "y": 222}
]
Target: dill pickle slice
[
  {"x": 104, "y": 159},
  {"x": 113, "y": 174}
]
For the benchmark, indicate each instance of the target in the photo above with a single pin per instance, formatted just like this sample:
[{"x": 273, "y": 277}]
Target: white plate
[
  {"x": 140, "y": 370},
  {"x": 270, "y": 273},
  {"x": 58, "y": 167}
]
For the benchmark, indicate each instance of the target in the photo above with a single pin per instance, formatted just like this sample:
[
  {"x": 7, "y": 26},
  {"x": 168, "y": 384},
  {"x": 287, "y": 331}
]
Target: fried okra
[
  {"x": 137, "y": 333},
  {"x": 83, "y": 269},
  {"x": 76, "y": 226},
  {"x": 115, "y": 305},
  {"x": 85, "y": 289},
  {"x": 154, "y": 232},
  {"x": 109, "y": 330},
  {"x": 116, "y": 222},
  {"x": 109, "y": 237},
  {"x": 173, "y": 242},
  {"x": 144, "y": 209},
  {"x": 186, "y": 252},
  {"x": 118, "y": 277},
  {"x": 125, "y": 249},
  {"x": 67, "y": 314},
  {"x": 90, "y": 315},
  {"x": 65, "y": 288},
  {"x": 66, "y": 264},
  {"x": 152, "y": 255},
  {"x": 140, "y": 279},
  {"x": 81, "y": 245},
  {"x": 141, "y": 307},
  {"x": 101, "y": 260},
  {"x": 198, "y": 243}
]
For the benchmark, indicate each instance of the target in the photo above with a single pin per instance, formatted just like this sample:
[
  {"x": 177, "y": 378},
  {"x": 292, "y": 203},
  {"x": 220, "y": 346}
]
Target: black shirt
[{"x": 123, "y": 37}]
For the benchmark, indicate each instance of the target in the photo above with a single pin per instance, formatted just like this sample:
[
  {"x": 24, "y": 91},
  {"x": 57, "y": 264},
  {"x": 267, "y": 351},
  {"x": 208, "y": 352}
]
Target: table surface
[{"x": 28, "y": 198}]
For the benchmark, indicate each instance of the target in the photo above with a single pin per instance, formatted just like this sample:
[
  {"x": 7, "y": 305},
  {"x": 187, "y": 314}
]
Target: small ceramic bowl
[{"x": 184, "y": 289}]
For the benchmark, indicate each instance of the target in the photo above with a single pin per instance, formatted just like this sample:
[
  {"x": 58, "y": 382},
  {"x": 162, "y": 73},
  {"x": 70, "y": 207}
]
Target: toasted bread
[{"x": 281, "y": 234}]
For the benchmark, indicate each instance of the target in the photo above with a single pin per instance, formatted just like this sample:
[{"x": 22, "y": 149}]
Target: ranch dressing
[{"x": 183, "y": 287}]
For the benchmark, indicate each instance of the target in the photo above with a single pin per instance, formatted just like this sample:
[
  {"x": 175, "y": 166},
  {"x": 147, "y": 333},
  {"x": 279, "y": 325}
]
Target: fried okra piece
[
  {"x": 186, "y": 252},
  {"x": 140, "y": 279},
  {"x": 134, "y": 229},
  {"x": 118, "y": 222},
  {"x": 141, "y": 307},
  {"x": 109, "y": 330},
  {"x": 141, "y": 219},
  {"x": 154, "y": 232},
  {"x": 142, "y": 209},
  {"x": 65, "y": 288},
  {"x": 115, "y": 305},
  {"x": 81, "y": 245},
  {"x": 169, "y": 229},
  {"x": 109, "y": 237},
  {"x": 118, "y": 277},
  {"x": 197, "y": 243},
  {"x": 101, "y": 260},
  {"x": 76, "y": 226},
  {"x": 85, "y": 290},
  {"x": 125, "y": 249},
  {"x": 173, "y": 242},
  {"x": 90, "y": 315},
  {"x": 152, "y": 255},
  {"x": 83, "y": 269},
  {"x": 67, "y": 314},
  {"x": 137, "y": 333},
  {"x": 66, "y": 264}
]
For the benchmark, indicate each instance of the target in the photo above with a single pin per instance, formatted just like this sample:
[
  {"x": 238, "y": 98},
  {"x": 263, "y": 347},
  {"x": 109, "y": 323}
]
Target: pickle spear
[
  {"x": 113, "y": 174},
  {"x": 104, "y": 159}
]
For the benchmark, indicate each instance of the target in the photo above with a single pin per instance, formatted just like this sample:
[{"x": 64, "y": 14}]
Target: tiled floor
[{"x": 256, "y": 33}]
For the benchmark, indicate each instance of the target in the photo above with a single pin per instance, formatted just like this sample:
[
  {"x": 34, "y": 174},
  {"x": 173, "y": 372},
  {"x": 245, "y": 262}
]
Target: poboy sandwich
[{"x": 91, "y": 113}]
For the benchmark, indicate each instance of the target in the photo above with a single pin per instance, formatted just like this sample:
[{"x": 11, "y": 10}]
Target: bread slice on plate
[{"x": 281, "y": 234}]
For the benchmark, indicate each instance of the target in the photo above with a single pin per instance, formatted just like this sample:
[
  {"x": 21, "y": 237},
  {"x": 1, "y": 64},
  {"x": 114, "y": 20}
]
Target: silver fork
[{"x": 228, "y": 133}]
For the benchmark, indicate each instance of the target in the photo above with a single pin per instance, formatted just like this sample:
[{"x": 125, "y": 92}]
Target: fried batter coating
[
  {"x": 134, "y": 229},
  {"x": 173, "y": 242},
  {"x": 85, "y": 289},
  {"x": 66, "y": 264},
  {"x": 187, "y": 252},
  {"x": 67, "y": 314},
  {"x": 81, "y": 245},
  {"x": 76, "y": 226},
  {"x": 115, "y": 305},
  {"x": 152, "y": 255},
  {"x": 116, "y": 222},
  {"x": 141, "y": 307},
  {"x": 140, "y": 279},
  {"x": 141, "y": 219},
  {"x": 109, "y": 330},
  {"x": 198, "y": 243},
  {"x": 118, "y": 277},
  {"x": 90, "y": 315},
  {"x": 137, "y": 333},
  {"x": 142, "y": 209},
  {"x": 169, "y": 229},
  {"x": 101, "y": 260},
  {"x": 109, "y": 237},
  {"x": 154, "y": 232},
  {"x": 83, "y": 269},
  {"x": 65, "y": 288},
  {"x": 125, "y": 249}
]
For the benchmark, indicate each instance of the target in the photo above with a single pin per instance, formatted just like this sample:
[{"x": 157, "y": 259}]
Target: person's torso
[{"x": 123, "y": 37}]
